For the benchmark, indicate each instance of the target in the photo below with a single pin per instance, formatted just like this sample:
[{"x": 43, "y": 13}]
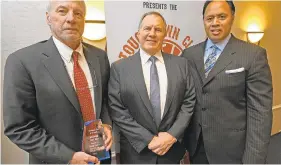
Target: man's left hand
[
  {"x": 108, "y": 134},
  {"x": 162, "y": 143}
]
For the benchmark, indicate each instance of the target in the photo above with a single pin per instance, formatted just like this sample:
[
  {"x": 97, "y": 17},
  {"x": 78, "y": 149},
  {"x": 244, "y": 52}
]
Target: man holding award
[
  {"x": 151, "y": 98},
  {"x": 55, "y": 94}
]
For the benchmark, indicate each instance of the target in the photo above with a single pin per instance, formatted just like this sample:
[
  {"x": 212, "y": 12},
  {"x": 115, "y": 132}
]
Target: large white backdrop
[
  {"x": 185, "y": 28},
  {"x": 184, "y": 20}
]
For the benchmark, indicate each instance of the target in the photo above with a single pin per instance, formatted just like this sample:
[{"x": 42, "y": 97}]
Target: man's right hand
[
  {"x": 83, "y": 158},
  {"x": 162, "y": 143}
]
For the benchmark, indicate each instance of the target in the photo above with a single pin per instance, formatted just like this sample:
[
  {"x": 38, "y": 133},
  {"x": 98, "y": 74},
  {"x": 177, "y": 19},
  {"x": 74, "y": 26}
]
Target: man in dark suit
[
  {"x": 151, "y": 98},
  {"x": 232, "y": 119},
  {"x": 51, "y": 88}
]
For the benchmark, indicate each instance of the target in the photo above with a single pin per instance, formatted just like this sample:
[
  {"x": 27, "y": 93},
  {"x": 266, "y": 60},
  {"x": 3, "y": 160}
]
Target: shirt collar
[
  {"x": 221, "y": 45},
  {"x": 145, "y": 56},
  {"x": 65, "y": 51}
]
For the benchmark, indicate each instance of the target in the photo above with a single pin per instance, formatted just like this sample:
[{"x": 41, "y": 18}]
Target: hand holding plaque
[{"x": 93, "y": 140}]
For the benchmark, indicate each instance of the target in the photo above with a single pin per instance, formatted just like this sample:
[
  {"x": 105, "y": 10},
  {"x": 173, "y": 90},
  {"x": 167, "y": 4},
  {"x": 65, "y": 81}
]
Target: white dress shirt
[
  {"x": 66, "y": 55},
  {"x": 162, "y": 74}
]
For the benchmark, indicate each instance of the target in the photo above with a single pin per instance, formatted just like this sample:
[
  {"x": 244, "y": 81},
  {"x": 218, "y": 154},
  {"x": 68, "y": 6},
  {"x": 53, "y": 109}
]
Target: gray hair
[
  {"x": 49, "y": 5},
  {"x": 152, "y": 13}
]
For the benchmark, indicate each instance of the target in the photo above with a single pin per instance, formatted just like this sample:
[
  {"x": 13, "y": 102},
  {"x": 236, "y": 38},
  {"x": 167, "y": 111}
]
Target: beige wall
[
  {"x": 276, "y": 125},
  {"x": 267, "y": 15},
  {"x": 100, "y": 44},
  {"x": 100, "y": 6}
]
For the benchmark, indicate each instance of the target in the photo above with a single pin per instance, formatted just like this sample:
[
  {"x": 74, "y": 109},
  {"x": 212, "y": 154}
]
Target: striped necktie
[{"x": 211, "y": 60}]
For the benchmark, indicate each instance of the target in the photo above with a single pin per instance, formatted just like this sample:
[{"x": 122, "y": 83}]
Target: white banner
[{"x": 184, "y": 25}]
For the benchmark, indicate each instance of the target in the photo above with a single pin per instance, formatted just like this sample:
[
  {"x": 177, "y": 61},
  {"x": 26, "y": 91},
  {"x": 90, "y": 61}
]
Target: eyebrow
[
  {"x": 60, "y": 6},
  {"x": 212, "y": 15}
]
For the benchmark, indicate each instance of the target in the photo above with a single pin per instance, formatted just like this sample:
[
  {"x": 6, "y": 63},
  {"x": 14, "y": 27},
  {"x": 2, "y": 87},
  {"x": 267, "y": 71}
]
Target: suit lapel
[
  {"x": 56, "y": 67},
  {"x": 137, "y": 73},
  {"x": 94, "y": 67},
  {"x": 172, "y": 79},
  {"x": 199, "y": 61},
  {"x": 224, "y": 59}
]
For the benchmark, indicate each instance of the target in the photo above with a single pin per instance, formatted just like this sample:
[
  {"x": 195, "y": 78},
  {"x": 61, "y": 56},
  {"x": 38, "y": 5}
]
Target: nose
[
  {"x": 70, "y": 17},
  {"x": 152, "y": 32},
  {"x": 215, "y": 21}
]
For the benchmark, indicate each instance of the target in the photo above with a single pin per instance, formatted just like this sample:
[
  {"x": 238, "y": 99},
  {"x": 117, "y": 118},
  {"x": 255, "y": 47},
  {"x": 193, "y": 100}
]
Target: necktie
[
  {"x": 82, "y": 90},
  {"x": 211, "y": 60},
  {"x": 155, "y": 91}
]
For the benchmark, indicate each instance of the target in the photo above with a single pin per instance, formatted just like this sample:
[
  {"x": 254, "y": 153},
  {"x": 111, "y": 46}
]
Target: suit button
[
  {"x": 204, "y": 91},
  {"x": 204, "y": 109}
]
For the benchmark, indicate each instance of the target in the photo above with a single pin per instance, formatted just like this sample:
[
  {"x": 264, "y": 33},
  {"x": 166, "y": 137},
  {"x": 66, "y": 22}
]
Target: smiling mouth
[{"x": 151, "y": 41}]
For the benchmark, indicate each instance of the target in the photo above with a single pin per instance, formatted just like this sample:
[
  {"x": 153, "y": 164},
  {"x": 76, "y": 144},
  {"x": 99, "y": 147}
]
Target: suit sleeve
[
  {"x": 104, "y": 113},
  {"x": 187, "y": 107},
  {"x": 20, "y": 111},
  {"x": 137, "y": 135},
  {"x": 259, "y": 110}
]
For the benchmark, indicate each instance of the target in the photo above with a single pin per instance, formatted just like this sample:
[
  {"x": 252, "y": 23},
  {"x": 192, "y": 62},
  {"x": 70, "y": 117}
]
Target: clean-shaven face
[
  {"x": 218, "y": 20},
  {"x": 151, "y": 34}
]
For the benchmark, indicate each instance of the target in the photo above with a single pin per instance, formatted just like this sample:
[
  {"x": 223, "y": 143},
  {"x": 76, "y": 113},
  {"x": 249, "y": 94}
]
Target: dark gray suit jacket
[
  {"x": 234, "y": 110},
  {"x": 41, "y": 110},
  {"x": 131, "y": 109}
]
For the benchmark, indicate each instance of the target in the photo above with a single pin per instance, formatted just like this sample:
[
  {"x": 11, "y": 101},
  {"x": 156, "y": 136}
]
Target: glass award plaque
[{"x": 93, "y": 140}]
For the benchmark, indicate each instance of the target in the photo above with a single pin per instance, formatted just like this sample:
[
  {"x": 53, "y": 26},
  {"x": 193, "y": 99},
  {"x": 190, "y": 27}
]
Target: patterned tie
[
  {"x": 82, "y": 90},
  {"x": 211, "y": 60},
  {"x": 155, "y": 91}
]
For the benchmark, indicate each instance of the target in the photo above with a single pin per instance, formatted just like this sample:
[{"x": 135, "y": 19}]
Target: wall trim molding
[{"x": 276, "y": 107}]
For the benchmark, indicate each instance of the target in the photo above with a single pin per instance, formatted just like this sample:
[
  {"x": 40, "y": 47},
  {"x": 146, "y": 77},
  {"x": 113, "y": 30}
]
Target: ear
[
  {"x": 233, "y": 18},
  {"x": 165, "y": 33},
  {"x": 48, "y": 18},
  {"x": 137, "y": 35}
]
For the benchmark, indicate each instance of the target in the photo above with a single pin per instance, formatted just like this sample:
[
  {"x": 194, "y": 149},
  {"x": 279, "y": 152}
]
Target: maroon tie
[{"x": 82, "y": 90}]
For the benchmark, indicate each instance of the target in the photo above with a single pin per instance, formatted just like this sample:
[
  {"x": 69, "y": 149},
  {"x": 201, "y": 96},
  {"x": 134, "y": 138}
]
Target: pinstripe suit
[{"x": 234, "y": 103}]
